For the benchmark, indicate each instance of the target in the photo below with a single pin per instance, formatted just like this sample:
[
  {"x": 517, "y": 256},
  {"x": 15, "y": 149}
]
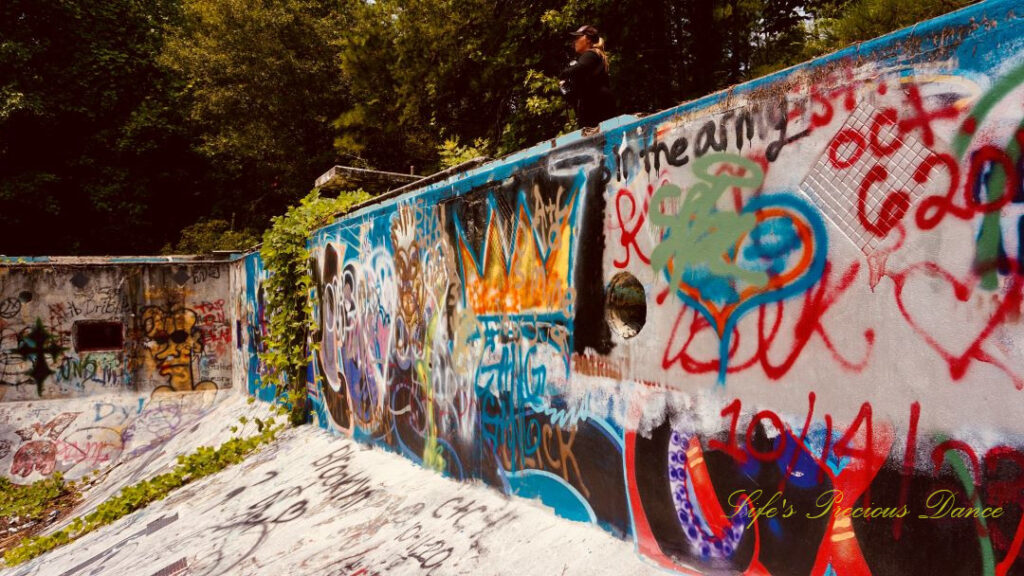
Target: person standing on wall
[{"x": 585, "y": 82}]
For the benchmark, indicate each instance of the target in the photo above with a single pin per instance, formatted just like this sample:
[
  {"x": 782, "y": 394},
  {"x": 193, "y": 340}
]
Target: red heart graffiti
[{"x": 958, "y": 363}]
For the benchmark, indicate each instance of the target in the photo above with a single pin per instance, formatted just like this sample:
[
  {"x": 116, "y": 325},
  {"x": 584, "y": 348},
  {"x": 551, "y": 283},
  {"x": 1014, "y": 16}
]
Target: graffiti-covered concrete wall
[
  {"x": 106, "y": 361},
  {"x": 72, "y": 328},
  {"x": 776, "y": 330},
  {"x": 251, "y": 306}
]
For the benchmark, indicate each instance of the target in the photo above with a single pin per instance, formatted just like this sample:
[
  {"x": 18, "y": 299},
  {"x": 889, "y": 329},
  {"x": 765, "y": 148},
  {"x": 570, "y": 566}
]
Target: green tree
[
  {"x": 209, "y": 235},
  {"x": 858, "y": 20},
  {"x": 452, "y": 153},
  {"x": 93, "y": 154},
  {"x": 424, "y": 71},
  {"x": 781, "y": 36},
  {"x": 261, "y": 86},
  {"x": 122, "y": 122}
]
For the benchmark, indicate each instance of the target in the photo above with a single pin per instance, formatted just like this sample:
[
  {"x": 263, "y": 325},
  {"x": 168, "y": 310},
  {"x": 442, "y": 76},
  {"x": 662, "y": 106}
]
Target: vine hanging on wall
[{"x": 288, "y": 283}]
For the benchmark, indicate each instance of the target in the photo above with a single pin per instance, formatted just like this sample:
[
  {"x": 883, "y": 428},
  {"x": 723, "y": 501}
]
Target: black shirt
[{"x": 591, "y": 94}]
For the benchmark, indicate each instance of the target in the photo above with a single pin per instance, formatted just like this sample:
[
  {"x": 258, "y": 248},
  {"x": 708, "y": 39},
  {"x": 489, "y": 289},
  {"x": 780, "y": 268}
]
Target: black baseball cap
[{"x": 586, "y": 30}]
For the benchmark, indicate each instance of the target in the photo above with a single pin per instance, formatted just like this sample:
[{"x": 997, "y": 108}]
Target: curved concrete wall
[
  {"x": 75, "y": 327},
  {"x": 107, "y": 361},
  {"x": 776, "y": 330}
]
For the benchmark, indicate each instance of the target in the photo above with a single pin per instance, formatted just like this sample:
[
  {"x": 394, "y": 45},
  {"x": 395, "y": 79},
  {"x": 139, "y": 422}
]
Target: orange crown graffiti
[{"x": 528, "y": 274}]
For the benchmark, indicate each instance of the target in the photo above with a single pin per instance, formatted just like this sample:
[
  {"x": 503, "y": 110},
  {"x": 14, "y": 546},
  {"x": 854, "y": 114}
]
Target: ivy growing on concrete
[
  {"x": 28, "y": 509},
  {"x": 288, "y": 285},
  {"x": 204, "y": 461},
  {"x": 31, "y": 501}
]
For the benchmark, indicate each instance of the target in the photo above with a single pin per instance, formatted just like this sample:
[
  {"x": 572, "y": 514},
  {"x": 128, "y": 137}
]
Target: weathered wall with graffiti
[
  {"x": 776, "y": 330},
  {"x": 251, "y": 309},
  {"x": 70, "y": 329},
  {"x": 107, "y": 361}
]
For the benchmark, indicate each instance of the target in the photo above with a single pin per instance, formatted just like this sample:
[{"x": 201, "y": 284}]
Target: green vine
[
  {"x": 288, "y": 283},
  {"x": 32, "y": 501},
  {"x": 201, "y": 463}
]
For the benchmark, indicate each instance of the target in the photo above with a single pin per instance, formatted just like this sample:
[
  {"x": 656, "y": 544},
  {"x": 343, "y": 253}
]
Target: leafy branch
[{"x": 288, "y": 285}]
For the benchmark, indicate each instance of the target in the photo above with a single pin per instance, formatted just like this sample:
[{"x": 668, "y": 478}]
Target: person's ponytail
[{"x": 599, "y": 48}]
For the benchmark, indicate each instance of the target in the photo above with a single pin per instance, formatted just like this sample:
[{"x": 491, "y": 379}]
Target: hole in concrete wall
[
  {"x": 96, "y": 335},
  {"x": 626, "y": 303}
]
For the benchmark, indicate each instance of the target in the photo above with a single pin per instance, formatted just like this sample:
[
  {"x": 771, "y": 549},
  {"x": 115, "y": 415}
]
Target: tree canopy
[{"x": 131, "y": 125}]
